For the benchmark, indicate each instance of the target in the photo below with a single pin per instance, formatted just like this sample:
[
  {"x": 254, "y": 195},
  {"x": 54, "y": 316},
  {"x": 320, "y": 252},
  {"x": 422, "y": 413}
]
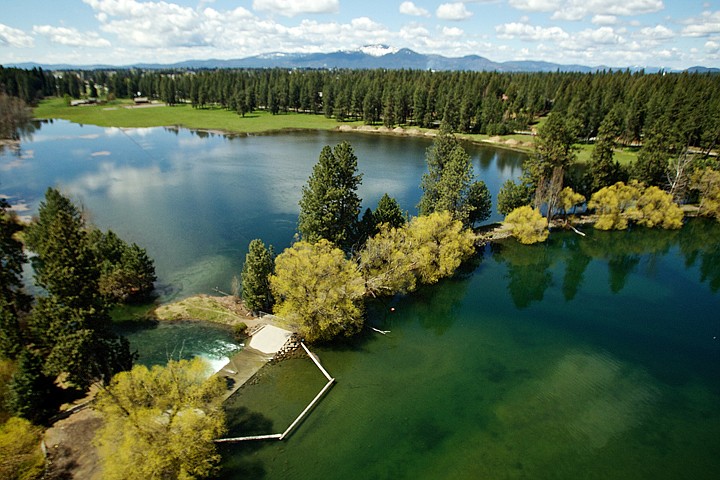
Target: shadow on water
[{"x": 237, "y": 457}]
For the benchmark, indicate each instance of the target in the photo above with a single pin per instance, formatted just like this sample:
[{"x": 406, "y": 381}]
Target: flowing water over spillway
[{"x": 585, "y": 357}]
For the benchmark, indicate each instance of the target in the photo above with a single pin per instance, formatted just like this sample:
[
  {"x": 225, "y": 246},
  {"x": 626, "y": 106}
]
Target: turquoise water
[
  {"x": 156, "y": 344},
  {"x": 592, "y": 357},
  {"x": 586, "y": 357},
  {"x": 195, "y": 201}
]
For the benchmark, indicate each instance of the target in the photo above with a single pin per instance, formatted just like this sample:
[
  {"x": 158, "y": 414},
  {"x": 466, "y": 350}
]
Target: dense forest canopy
[{"x": 469, "y": 102}]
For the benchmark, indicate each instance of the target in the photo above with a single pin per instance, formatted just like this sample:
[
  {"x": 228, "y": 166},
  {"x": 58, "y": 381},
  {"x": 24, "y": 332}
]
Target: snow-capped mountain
[{"x": 367, "y": 57}]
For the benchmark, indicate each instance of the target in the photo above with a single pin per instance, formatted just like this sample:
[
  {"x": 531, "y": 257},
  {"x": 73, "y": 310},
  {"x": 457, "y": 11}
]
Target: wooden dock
[{"x": 299, "y": 418}]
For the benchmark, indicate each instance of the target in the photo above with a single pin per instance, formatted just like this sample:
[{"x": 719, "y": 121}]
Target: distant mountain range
[{"x": 368, "y": 57}]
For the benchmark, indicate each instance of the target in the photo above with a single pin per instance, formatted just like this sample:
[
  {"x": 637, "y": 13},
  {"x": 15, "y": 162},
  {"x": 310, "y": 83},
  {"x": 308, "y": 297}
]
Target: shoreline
[{"x": 510, "y": 144}]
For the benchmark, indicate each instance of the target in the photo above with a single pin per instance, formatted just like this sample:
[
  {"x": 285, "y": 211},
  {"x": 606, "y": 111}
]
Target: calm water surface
[
  {"x": 195, "y": 201},
  {"x": 585, "y": 357},
  {"x": 592, "y": 357}
]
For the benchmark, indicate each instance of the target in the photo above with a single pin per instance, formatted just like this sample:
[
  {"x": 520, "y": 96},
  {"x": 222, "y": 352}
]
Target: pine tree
[
  {"x": 513, "y": 195},
  {"x": 450, "y": 185},
  {"x": 259, "y": 265},
  {"x": 330, "y": 206},
  {"x": 13, "y": 300},
  {"x": 31, "y": 392},
  {"x": 71, "y": 325},
  {"x": 388, "y": 211}
]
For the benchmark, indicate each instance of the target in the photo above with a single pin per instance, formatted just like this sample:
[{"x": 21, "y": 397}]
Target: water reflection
[
  {"x": 531, "y": 270},
  {"x": 575, "y": 266},
  {"x": 528, "y": 271},
  {"x": 699, "y": 244},
  {"x": 188, "y": 196}
]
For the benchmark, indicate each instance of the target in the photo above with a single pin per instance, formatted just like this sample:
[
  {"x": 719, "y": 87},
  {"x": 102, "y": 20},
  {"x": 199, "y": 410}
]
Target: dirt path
[{"x": 70, "y": 449}]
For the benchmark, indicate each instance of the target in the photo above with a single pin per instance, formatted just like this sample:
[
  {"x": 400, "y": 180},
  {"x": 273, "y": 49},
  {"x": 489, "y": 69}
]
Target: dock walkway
[
  {"x": 267, "y": 341},
  {"x": 300, "y": 417}
]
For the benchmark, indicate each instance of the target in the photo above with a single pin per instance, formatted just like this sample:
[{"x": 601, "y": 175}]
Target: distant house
[
  {"x": 85, "y": 101},
  {"x": 139, "y": 100}
]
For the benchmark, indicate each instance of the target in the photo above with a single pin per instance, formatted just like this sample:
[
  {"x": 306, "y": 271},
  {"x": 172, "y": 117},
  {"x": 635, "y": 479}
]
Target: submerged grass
[{"x": 198, "y": 307}]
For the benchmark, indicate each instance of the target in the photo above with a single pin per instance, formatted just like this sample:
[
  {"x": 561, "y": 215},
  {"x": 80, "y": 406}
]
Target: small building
[
  {"x": 139, "y": 100},
  {"x": 84, "y": 101}
]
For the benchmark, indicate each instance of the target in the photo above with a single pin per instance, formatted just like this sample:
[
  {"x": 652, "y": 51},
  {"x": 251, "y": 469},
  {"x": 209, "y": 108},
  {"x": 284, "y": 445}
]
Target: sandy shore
[{"x": 509, "y": 144}]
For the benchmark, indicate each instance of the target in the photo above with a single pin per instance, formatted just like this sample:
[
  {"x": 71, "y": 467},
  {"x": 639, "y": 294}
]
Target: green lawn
[
  {"x": 624, "y": 156},
  {"x": 117, "y": 114}
]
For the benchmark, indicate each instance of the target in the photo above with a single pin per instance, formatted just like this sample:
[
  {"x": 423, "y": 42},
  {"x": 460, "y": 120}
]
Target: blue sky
[{"x": 617, "y": 33}]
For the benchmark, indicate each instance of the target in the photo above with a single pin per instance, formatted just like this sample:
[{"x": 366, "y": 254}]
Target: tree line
[{"x": 468, "y": 102}]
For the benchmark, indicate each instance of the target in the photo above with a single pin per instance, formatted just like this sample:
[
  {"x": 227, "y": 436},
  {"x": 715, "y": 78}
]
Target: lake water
[
  {"x": 195, "y": 201},
  {"x": 584, "y": 357}
]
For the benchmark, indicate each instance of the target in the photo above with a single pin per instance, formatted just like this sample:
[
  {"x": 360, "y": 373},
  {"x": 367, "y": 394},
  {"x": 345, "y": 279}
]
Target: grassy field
[{"x": 124, "y": 114}]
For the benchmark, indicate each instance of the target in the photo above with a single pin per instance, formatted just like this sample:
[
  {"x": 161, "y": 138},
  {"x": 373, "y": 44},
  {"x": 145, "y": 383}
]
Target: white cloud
[
  {"x": 600, "y": 36},
  {"x": 453, "y": 11},
  {"x": 707, "y": 24},
  {"x": 536, "y": 5},
  {"x": 578, "y": 9},
  {"x": 71, "y": 36},
  {"x": 291, "y": 8},
  {"x": 604, "y": 19},
  {"x": 13, "y": 37},
  {"x": 712, "y": 46},
  {"x": 658, "y": 32},
  {"x": 527, "y": 32},
  {"x": 452, "y": 32},
  {"x": 409, "y": 8},
  {"x": 150, "y": 24}
]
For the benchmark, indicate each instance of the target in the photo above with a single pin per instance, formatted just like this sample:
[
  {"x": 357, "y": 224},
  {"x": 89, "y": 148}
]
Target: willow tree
[
  {"x": 527, "y": 225},
  {"x": 620, "y": 204},
  {"x": 615, "y": 205},
  {"x": 707, "y": 183},
  {"x": 427, "y": 249},
  {"x": 161, "y": 422},
  {"x": 315, "y": 286}
]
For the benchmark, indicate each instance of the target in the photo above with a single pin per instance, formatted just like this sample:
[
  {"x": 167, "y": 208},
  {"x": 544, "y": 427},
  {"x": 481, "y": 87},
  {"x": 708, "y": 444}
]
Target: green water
[
  {"x": 590, "y": 357},
  {"x": 158, "y": 343},
  {"x": 586, "y": 357}
]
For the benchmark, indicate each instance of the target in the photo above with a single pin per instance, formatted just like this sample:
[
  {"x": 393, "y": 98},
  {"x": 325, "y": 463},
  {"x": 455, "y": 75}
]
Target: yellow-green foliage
[
  {"x": 615, "y": 205},
  {"x": 567, "y": 199},
  {"x": 528, "y": 225},
  {"x": 427, "y": 249},
  {"x": 20, "y": 454},
  {"x": 707, "y": 182},
  {"x": 657, "y": 209},
  {"x": 318, "y": 288},
  {"x": 161, "y": 422},
  {"x": 440, "y": 244},
  {"x": 387, "y": 263},
  {"x": 619, "y": 204}
]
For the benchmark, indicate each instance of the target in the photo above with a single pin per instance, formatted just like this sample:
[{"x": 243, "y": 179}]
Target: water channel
[{"x": 585, "y": 357}]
